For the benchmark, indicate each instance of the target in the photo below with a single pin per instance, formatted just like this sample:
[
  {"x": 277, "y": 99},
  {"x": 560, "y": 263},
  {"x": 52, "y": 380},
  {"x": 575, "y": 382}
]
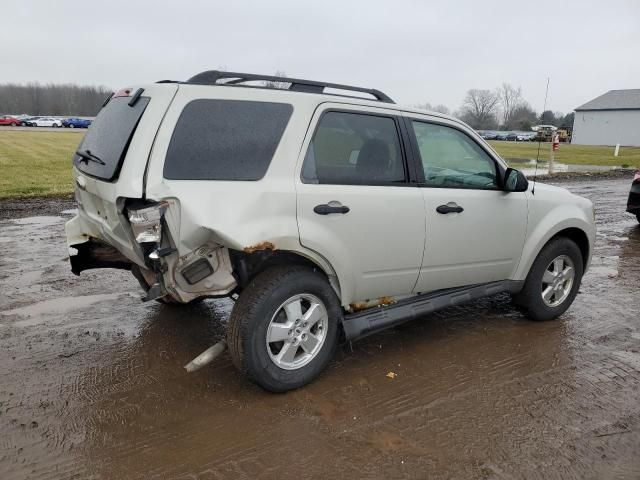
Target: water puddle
[
  {"x": 528, "y": 167},
  {"x": 37, "y": 311}
]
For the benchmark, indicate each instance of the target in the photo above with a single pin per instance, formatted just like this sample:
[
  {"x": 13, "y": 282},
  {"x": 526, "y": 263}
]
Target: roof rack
[{"x": 211, "y": 77}]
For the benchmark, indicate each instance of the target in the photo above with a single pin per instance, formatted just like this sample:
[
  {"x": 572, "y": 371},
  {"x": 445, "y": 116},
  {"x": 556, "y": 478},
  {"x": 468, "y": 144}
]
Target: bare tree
[
  {"x": 440, "y": 108},
  {"x": 510, "y": 98},
  {"x": 424, "y": 106},
  {"x": 433, "y": 108},
  {"x": 479, "y": 108},
  {"x": 523, "y": 117}
]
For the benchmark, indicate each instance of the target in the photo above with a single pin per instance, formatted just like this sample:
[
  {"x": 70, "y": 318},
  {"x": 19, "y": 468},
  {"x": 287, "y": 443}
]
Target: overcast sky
[{"x": 415, "y": 51}]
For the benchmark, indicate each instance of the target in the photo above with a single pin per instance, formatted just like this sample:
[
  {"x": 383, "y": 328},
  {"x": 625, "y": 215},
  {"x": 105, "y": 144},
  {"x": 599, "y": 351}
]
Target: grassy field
[
  {"x": 38, "y": 163},
  {"x": 573, "y": 154}
]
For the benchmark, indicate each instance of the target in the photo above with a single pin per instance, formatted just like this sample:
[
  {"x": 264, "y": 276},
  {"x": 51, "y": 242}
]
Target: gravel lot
[{"x": 92, "y": 385}]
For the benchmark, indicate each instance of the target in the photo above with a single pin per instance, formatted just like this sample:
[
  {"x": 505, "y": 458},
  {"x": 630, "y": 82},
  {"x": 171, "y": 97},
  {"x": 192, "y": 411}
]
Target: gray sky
[{"x": 415, "y": 51}]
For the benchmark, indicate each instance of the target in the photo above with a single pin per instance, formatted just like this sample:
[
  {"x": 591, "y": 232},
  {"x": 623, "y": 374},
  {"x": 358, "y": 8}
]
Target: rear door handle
[
  {"x": 450, "y": 208},
  {"x": 326, "y": 209}
]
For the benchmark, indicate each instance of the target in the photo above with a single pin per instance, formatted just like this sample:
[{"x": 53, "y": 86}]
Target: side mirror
[{"x": 515, "y": 181}]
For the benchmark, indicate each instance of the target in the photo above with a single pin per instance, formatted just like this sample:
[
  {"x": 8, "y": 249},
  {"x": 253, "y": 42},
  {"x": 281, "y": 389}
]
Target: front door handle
[
  {"x": 451, "y": 207},
  {"x": 326, "y": 209}
]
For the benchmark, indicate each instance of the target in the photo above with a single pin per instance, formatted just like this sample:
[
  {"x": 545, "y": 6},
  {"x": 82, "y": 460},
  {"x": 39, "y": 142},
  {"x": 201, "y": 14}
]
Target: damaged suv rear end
[{"x": 168, "y": 186}]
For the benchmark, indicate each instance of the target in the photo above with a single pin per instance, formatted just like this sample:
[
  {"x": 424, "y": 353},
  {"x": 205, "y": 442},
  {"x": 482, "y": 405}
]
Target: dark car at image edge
[{"x": 633, "y": 204}]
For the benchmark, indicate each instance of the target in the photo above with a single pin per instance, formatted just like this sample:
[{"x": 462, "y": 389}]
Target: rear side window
[
  {"x": 108, "y": 138},
  {"x": 225, "y": 140},
  {"x": 354, "y": 149}
]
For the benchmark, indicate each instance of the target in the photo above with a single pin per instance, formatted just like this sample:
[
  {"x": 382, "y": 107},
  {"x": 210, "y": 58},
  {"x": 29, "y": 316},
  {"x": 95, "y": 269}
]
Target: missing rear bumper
[{"x": 96, "y": 254}]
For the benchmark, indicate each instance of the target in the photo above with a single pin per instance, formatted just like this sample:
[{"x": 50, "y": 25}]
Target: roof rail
[{"x": 211, "y": 77}]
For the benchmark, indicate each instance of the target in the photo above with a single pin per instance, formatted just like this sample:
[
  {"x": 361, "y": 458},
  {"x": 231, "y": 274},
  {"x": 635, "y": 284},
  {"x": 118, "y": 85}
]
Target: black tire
[
  {"x": 638, "y": 217},
  {"x": 71, "y": 125},
  {"x": 529, "y": 299},
  {"x": 252, "y": 314}
]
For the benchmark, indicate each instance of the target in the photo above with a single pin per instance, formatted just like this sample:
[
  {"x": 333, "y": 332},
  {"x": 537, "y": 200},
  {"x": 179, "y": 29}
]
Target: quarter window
[
  {"x": 355, "y": 149},
  {"x": 451, "y": 159},
  {"x": 225, "y": 140}
]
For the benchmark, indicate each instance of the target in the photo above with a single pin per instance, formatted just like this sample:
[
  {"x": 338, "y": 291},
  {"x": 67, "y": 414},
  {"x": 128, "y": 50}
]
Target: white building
[{"x": 609, "y": 119}]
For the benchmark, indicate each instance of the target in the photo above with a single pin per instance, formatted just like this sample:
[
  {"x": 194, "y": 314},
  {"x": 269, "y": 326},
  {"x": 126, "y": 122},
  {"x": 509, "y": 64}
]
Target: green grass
[
  {"x": 36, "y": 163},
  {"x": 573, "y": 154}
]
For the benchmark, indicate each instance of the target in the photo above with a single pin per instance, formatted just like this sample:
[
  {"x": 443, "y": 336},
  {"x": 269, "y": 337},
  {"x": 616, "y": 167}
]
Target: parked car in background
[
  {"x": 501, "y": 135},
  {"x": 633, "y": 204},
  {"x": 75, "y": 122},
  {"x": 488, "y": 135},
  {"x": 512, "y": 136},
  {"x": 7, "y": 120},
  {"x": 525, "y": 137},
  {"x": 22, "y": 118},
  {"x": 28, "y": 121},
  {"x": 46, "y": 122}
]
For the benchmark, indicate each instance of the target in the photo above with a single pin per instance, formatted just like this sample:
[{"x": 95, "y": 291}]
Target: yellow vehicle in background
[{"x": 544, "y": 133}]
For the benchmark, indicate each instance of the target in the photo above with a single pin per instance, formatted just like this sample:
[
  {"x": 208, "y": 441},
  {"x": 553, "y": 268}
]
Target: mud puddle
[{"x": 92, "y": 385}]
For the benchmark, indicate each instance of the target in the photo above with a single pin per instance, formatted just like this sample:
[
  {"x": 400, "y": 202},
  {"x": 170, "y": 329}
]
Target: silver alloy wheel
[
  {"x": 557, "y": 281},
  {"x": 297, "y": 331}
]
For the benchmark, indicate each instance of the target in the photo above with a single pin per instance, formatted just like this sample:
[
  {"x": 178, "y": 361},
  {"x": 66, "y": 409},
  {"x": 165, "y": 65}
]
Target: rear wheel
[
  {"x": 283, "y": 330},
  {"x": 553, "y": 281}
]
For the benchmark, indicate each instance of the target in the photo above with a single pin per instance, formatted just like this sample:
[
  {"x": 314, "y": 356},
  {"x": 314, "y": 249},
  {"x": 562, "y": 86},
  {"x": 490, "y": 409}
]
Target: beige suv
[{"x": 326, "y": 214}]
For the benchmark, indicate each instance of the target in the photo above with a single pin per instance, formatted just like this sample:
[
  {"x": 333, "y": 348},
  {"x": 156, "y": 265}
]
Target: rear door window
[
  {"x": 225, "y": 140},
  {"x": 109, "y": 136},
  {"x": 354, "y": 149}
]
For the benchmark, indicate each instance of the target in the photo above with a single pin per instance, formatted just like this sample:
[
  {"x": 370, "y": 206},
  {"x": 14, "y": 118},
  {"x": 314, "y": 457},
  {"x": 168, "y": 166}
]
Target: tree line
[
  {"x": 503, "y": 108},
  {"x": 51, "y": 99}
]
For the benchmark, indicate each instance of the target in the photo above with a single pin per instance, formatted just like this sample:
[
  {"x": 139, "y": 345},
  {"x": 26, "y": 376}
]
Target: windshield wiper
[{"x": 86, "y": 155}]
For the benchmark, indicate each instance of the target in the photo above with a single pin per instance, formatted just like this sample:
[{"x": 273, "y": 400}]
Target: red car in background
[{"x": 11, "y": 121}]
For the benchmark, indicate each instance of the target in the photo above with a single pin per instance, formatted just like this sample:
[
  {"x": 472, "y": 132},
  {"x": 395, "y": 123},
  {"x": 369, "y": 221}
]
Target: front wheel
[
  {"x": 553, "y": 281},
  {"x": 71, "y": 125},
  {"x": 283, "y": 329}
]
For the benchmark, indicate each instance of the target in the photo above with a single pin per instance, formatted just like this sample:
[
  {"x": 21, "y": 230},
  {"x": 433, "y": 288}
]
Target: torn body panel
[{"x": 95, "y": 254}]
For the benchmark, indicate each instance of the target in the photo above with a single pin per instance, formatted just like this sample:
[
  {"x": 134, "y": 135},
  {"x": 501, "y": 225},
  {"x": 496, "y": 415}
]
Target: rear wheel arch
[{"x": 247, "y": 266}]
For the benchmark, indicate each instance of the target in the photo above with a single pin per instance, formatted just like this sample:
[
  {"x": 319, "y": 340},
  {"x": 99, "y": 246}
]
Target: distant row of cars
[
  {"x": 511, "y": 136},
  {"x": 27, "y": 121}
]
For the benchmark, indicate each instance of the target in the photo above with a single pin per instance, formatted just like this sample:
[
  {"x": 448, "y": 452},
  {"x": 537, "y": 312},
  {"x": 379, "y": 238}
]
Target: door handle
[
  {"x": 453, "y": 208},
  {"x": 326, "y": 209}
]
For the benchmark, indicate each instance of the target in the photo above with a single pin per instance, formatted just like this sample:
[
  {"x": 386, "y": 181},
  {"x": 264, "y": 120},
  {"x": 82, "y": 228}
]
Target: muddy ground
[{"x": 92, "y": 384}]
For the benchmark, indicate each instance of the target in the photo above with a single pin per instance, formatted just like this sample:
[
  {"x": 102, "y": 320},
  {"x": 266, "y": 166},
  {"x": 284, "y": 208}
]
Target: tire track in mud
[{"x": 480, "y": 392}]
